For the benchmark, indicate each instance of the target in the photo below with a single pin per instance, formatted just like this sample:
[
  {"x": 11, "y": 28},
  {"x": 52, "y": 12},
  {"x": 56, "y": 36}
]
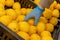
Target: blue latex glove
[{"x": 36, "y": 13}]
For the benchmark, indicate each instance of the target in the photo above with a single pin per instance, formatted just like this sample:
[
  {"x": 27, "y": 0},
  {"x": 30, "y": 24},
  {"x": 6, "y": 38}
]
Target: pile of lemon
[{"x": 13, "y": 18}]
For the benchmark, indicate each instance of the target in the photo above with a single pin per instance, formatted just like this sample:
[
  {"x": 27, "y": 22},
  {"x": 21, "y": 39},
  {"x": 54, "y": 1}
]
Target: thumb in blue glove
[{"x": 36, "y": 13}]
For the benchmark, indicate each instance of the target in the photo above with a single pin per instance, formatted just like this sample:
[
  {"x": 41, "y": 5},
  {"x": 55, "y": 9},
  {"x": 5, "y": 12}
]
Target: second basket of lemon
[{"x": 13, "y": 18}]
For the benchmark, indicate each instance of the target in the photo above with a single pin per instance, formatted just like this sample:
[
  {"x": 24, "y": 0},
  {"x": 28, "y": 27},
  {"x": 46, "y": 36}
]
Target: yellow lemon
[
  {"x": 2, "y": 2},
  {"x": 11, "y": 13},
  {"x": 58, "y": 6},
  {"x": 16, "y": 5},
  {"x": 20, "y": 18},
  {"x": 43, "y": 19},
  {"x": 24, "y": 26},
  {"x": 55, "y": 13},
  {"x": 53, "y": 5},
  {"x": 18, "y": 12},
  {"x": 47, "y": 38},
  {"x": 24, "y": 11},
  {"x": 32, "y": 30},
  {"x": 9, "y": 3},
  {"x": 24, "y": 35},
  {"x": 47, "y": 13},
  {"x": 13, "y": 26},
  {"x": 36, "y": 1},
  {"x": 35, "y": 37},
  {"x": 31, "y": 21},
  {"x": 45, "y": 33},
  {"x": 5, "y": 19},
  {"x": 54, "y": 21},
  {"x": 2, "y": 12},
  {"x": 49, "y": 27},
  {"x": 40, "y": 27},
  {"x": 1, "y": 7},
  {"x": 29, "y": 10}
]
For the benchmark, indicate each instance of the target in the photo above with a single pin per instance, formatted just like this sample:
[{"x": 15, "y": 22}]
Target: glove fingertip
[{"x": 35, "y": 23}]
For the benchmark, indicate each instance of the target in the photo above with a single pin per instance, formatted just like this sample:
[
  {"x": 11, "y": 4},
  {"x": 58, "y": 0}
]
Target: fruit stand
[{"x": 13, "y": 26}]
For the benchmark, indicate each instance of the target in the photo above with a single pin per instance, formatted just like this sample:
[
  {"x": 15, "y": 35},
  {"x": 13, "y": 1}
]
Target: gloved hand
[{"x": 36, "y": 13}]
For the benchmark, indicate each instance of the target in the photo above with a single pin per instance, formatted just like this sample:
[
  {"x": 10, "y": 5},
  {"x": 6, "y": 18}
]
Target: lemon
[
  {"x": 24, "y": 35},
  {"x": 16, "y": 5},
  {"x": 47, "y": 13},
  {"x": 55, "y": 13},
  {"x": 24, "y": 26},
  {"x": 43, "y": 19},
  {"x": 24, "y": 11},
  {"x": 5, "y": 19},
  {"x": 20, "y": 18},
  {"x": 29, "y": 10},
  {"x": 2, "y": 2},
  {"x": 11, "y": 13},
  {"x": 32, "y": 30},
  {"x": 1, "y": 7},
  {"x": 53, "y": 5},
  {"x": 36, "y": 1},
  {"x": 49, "y": 27},
  {"x": 35, "y": 37},
  {"x": 31, "y": 21},
  {"x": 9, "y": 3},
  {"x": 40, "y": 27},
  {"x": 2, "y": 12},
  {"x": 53, "y": 21},
  {"x": 58, "y": 6},
  {"x": 47, "y": 38},
  {"x": 13, "y": 26},
  {"x": 18, "y": 12},
  {"x": 45, "y": 33}
]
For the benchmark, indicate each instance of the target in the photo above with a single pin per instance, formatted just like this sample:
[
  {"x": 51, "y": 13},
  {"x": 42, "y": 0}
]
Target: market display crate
[{"x": 7, "y": 34}]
